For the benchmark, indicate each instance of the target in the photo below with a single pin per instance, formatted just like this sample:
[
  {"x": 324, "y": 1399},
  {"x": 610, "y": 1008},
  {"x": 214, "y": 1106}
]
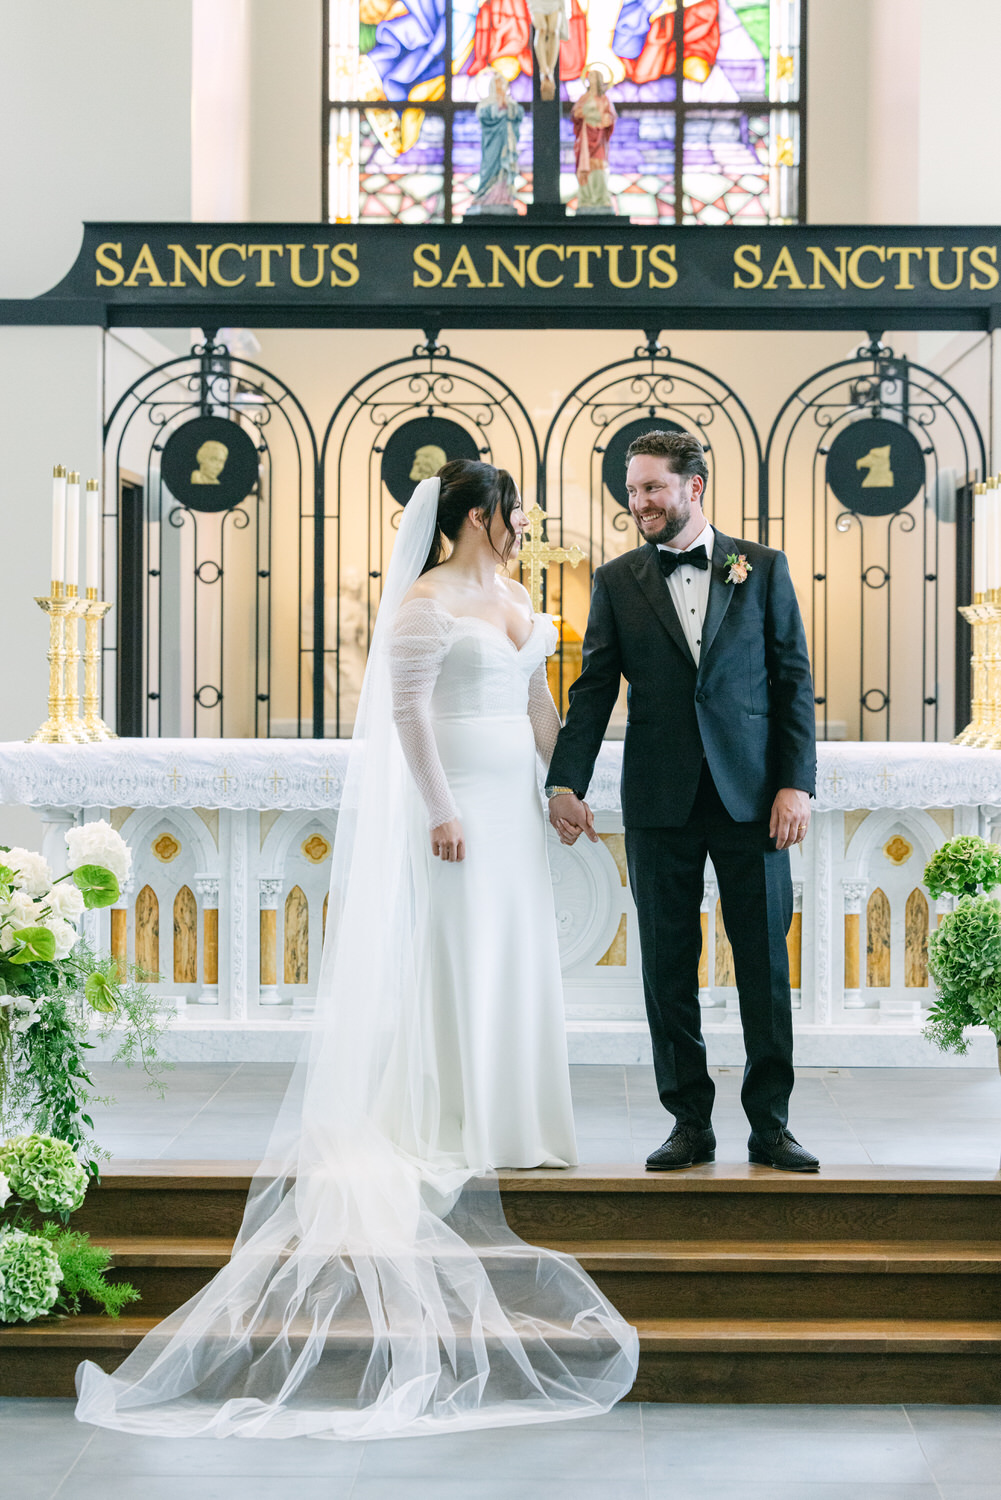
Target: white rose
[
  {"x": 66, "y": 901},
  {"x": 23, "y": 910},
  {"x": 65, "y": 934},
  {"x": 4, "y": 1190},
  {"x": 32, "y": 870},
  {"x": 99, "y": 844}
]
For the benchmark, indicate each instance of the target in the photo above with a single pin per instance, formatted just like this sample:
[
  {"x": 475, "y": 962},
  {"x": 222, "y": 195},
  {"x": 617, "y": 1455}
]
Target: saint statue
[
  {"x": 427, "y": 461},
  {"x": 549, "y": 17},
  {"x": 500, "y": 119},
  {"x": 211, "y": 459},
  {"x": 593, "y": 122}
]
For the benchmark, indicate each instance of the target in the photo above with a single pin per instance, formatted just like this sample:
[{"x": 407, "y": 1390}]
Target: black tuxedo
[{"x": 706, "y": 749}]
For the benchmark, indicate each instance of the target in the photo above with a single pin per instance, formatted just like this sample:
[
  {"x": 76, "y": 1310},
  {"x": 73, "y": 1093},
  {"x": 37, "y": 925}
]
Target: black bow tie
[{"x": 698, "y": 558}]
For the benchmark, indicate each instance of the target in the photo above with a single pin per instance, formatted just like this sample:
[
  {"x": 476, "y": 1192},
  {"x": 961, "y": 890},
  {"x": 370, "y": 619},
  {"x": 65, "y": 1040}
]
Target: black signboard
[{"x": 527, "y": 274}]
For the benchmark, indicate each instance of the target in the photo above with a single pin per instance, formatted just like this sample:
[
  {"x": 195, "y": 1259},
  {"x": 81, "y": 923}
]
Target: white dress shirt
[{"x": 689, "y": 589}]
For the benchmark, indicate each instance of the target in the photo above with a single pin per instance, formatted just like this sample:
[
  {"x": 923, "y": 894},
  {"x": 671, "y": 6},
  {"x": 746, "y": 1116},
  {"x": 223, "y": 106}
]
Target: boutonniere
[{"x": 739, "y": 568}]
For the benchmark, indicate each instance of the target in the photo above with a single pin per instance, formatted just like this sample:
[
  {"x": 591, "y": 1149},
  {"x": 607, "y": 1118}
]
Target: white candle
[
  {"x": 92, "y": 571},
  {"x": 58, "y": 523},
  {"x": 979, "y": 540},
  {"x": 994, "y": 523},
  {"x": 72, "y": 571}
]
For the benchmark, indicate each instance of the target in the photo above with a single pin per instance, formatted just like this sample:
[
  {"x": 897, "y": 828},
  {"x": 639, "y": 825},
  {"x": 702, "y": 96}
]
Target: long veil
[{"x": 374, "y": 1289}]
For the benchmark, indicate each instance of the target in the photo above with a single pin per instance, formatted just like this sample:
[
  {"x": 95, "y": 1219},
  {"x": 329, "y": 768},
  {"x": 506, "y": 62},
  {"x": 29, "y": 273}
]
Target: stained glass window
[{"x": 708, "y": 89}]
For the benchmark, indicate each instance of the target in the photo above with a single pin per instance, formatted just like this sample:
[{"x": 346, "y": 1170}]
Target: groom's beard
[{"x": 673, "y": 525}]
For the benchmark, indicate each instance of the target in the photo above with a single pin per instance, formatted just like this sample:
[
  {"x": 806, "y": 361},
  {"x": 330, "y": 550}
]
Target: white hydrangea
[
  {"x": 31, "y": 870},
  {"x": 66, "y": 901},
  {"x": 65, "y": 934},
  {"x": 23, "y": 910},
  {"x": 99, "y": 844}
]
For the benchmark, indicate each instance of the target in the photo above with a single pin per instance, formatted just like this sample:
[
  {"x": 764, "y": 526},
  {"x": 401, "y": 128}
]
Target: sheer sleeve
[
  {"x": 543, "y": 714},
  {"x": 416, "y": 652}
]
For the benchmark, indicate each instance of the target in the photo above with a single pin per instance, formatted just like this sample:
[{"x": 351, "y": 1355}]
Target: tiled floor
[
  {"x": 942, "y": 1117},
  {"x": 635, "y": 1453},
  {"x": 939, "y": 1117}
]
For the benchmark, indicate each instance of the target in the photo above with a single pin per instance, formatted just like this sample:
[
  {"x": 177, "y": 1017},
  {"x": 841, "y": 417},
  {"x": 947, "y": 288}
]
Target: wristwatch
[{"x": 560, "y": 791}]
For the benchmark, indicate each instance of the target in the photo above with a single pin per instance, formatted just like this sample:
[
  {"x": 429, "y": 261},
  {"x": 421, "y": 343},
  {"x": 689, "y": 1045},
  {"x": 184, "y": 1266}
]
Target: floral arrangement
[
  {"x": 964, "y": 952},
  {"x": 44, "y": 1267},
  {"x": 52, "y": 985},
  {"x": 738, "y": 566}
]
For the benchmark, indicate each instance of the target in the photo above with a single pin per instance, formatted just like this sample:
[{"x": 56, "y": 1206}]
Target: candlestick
[
  {"x": 993, "y": 560},
  {"x": 55, "y": 730},
  {"x": 92, "y": 569},
  {"x": 94, "y": 610},
  {"x": 979, "y": 544},
  {"x": 58, "y": 525},
  {"x": 71, "y": 571}
]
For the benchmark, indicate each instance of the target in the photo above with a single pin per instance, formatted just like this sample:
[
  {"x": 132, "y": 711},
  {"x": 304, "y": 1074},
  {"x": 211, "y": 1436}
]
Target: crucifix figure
[
  {"x": 537, "y": 555},
  {"x": 549, "y": 17}
]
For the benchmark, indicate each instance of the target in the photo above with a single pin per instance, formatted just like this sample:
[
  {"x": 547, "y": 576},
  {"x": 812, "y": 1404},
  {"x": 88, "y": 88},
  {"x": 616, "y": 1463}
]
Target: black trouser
[{"x": 666, "y": 875}]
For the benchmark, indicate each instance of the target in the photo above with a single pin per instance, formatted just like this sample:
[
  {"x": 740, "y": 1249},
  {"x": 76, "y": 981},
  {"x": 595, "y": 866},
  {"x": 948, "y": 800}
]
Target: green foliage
[
  {"x": 30, "y": 1276},
  {"x": 100, "y": 992},
  {"x": 83, "y": 1266},
  {"x": 44, "y": 1170},
  {"x": 38, "y": 945},
  {"x": 963, "y": 866},
  {"x": 98, "y": 886}
]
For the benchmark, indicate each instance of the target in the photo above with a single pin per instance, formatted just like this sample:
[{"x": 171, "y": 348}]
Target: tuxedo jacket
[{"x": 747, "y": 708}]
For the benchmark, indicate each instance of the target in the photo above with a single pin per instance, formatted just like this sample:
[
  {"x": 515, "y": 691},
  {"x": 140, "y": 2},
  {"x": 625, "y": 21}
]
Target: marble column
[
  {"x": 207, "y": 891},
  {"x": 794, "y": 944},
  {"x": 270, "y": 894},
  {"x": 854, "y": 893}
]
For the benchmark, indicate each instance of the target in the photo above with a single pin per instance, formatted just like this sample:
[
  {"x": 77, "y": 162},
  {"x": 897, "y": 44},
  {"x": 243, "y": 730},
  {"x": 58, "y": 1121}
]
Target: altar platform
[{"x": 232, "y": 841}]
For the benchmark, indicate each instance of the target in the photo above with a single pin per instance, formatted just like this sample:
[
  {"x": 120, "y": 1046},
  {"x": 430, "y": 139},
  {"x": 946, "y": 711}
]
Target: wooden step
[{"x": 686, "y": 1360}]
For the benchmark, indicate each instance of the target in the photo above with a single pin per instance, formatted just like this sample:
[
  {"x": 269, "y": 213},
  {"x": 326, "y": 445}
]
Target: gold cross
[
  {"x": 326, "y": 778},
  {"x": 885, "y": 777},
  {"x": 537, "y": 556},
  {"x": 174, "y": 778},
  {"x": 835, "y": 778},
  {"x": 225, "y": 778},
  {"x": 274, "y": 778}
]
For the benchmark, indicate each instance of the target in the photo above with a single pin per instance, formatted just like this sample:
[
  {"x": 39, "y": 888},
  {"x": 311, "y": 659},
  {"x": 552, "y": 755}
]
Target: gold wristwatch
[{"x": 560, "y": 791}]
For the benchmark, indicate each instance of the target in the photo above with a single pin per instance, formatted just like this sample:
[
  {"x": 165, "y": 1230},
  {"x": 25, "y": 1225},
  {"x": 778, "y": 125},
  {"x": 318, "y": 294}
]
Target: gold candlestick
[
  {"x": 56, "y": 730},
  {"x": 94, "y": 611},
  {"x": 984, "y": 729},
  {"x": 71, "y": 672}
]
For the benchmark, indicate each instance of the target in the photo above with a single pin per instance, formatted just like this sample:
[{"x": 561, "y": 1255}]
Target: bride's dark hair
[{"x": 466, "y": 486}]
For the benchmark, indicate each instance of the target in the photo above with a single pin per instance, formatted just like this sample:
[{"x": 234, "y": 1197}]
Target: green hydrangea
[
  {"x": 29, "y": 1276},
  {"x": 44, "y": 1170},
  {"x": 963, "y": 866},
  {"x": 964, "y": 959}
]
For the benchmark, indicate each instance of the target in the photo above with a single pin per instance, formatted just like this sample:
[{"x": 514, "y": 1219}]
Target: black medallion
[
  {"x": 210, "y": 464},
  {"x": 875, "y": 467},
  {"x": 419, "y": 448}
]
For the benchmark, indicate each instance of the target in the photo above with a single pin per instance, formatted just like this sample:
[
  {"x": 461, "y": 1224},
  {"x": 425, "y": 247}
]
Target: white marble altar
[{"x": 232, "y": 842}]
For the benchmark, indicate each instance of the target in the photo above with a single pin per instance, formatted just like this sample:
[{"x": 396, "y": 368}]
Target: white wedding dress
[{"x": 374, "y": 1289}]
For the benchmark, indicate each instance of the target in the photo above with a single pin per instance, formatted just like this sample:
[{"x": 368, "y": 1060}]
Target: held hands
[
  {"x": 790, "y": 817},
  {"x": 571, "y": 817},
  {"x": 447, "y": 841}
]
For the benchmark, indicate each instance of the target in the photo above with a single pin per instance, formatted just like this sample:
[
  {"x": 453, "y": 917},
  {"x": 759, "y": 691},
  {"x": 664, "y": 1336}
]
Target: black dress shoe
[
  {"x": 777, "y": 1148},
  {"x": 686, "y": 1146}
]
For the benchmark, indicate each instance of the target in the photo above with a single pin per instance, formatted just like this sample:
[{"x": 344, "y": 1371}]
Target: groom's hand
[
  {"x": 790, "y": 817},
  {"x": 571, "y": 817}
]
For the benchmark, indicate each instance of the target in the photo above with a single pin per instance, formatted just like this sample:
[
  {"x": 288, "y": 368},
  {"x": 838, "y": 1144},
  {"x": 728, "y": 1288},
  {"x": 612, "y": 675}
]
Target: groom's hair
[{"x": 683, "y": 453}]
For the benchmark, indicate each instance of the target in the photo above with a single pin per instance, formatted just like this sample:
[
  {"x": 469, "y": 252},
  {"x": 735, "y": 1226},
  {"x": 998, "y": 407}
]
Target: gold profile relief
[
  {"x": 877, "y": 461},
  {"x": 211, "y": 459},
  {"x": 427, "y": 461}
]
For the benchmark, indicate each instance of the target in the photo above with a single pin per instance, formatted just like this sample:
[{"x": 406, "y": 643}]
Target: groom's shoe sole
[
  {"x": 679, "y": 1166},
  {"x": 758, "y": 1160}
]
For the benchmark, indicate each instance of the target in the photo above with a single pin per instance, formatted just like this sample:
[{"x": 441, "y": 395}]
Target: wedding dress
[{"x": 375, "y": 1289}]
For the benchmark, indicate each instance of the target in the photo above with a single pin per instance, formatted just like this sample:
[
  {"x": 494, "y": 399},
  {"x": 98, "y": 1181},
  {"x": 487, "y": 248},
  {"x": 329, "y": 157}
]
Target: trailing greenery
[
  {"x": 83, "y": 1266},
  {"x": 964, "y": 952}
]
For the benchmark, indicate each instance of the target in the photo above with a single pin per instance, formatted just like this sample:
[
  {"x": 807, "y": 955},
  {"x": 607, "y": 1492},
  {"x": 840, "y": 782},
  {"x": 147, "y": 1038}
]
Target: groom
[{"x": 719, "y": 759}]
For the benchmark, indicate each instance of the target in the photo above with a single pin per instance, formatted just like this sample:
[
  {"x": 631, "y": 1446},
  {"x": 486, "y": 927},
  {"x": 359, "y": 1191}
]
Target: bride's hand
[{"x": 447, "y": 841}]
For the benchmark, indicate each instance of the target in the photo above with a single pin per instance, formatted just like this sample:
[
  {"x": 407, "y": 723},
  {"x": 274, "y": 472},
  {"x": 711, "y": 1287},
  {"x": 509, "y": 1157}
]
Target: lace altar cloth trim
[{"x": 294, "y": 774}]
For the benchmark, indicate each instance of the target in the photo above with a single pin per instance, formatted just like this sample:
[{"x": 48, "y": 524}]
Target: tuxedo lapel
[
  {"x": 646, "y": 569},
  {"x": 720, "y": 592}
]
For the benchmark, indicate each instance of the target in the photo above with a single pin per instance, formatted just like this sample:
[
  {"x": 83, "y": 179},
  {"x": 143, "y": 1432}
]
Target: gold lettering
[
  {"x": 199, "y": 272},
  {"x": 462, "y": 265},
  {"x": 744, "y": 258},
  {"x": 583, "y": 268},
  {"x": 839, "y": 273},
  {"x": 215, "y": 270},
  {"x": 613, "y": 265},
  {"x": 904, "y": 282},
  {"x": 295, "y": 267},
  {"x": 425, "y": 257},
  {"x": 785, "y": 266},
  {"x": 265, "y": 252},
  {"x": 854, "y": 274},
  {"x": 145, "y": 266},
  {"x": 343, "y": 258},
  {"x": 516, "y": 272},
  {"x": 669, "y": 272},
  {"x": 980, "y": 258},
  {"x": 533, "y": 265},
  {"x": 934, "y": 276},
  {"x": 105, "y": 256}
]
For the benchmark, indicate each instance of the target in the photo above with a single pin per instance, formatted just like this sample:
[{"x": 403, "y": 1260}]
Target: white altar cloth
[{"x": 309, "y": 774}]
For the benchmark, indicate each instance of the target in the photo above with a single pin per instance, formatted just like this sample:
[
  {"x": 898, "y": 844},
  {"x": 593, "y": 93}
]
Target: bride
[{"x": 374, "y": 1289}]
